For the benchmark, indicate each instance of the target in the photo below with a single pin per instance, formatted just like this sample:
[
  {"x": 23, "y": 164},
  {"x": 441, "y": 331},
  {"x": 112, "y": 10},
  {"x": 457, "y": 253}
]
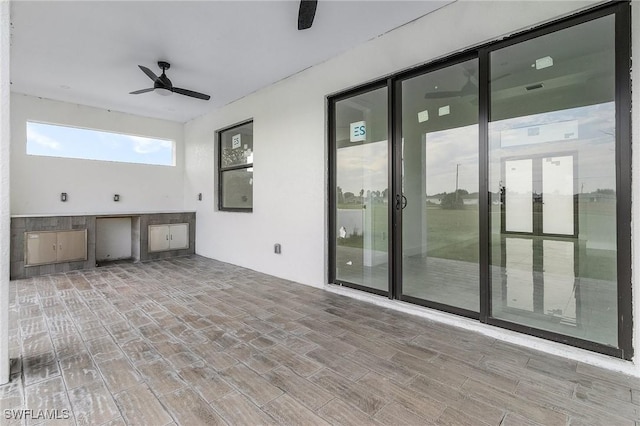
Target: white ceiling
[{"x": 87, "y": 52}]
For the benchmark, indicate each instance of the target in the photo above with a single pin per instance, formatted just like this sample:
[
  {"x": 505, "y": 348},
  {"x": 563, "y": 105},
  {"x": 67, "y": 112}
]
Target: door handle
[{"x": 401, "y": 202}]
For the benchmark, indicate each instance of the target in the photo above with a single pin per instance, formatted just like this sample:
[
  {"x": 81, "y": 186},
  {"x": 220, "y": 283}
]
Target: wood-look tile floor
[{"x": 193, "y": 341}]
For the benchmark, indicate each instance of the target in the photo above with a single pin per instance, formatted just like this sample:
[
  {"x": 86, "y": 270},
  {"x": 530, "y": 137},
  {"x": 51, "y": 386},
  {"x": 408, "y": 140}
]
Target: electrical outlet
[{"x": 277, "y": 248}]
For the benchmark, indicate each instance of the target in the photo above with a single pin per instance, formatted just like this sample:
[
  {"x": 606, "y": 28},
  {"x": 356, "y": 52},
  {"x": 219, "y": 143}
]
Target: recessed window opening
[
  {"x": 235, "y": 168},
  {"x": 52, "y": 140}
]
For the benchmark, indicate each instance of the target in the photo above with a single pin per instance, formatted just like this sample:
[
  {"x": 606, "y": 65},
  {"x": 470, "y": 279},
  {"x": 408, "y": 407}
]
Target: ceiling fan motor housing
[{"x": 162, "y": 82}]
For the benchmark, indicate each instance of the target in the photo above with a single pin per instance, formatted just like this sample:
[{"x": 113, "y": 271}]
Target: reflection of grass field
[
  {"x": 352, "y": 206},
  {"x": 453, "y": 234},
  {"x": 598, "y": 264}
]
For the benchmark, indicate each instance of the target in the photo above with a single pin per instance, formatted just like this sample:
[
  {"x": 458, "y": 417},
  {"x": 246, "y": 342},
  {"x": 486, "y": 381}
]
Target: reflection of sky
[
  {"x": 70, "y": 142},
  {"x": 365, "y": 166},
  {"x": 595, "y": 145},
  {"x": 445, "y": 150}
]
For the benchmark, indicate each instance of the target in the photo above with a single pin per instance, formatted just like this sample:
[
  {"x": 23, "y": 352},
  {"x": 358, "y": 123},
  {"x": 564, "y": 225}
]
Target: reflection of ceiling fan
[
  {"x": 469, "y": 88},
  {"x": 163, "y": 86},
  {"x": 306, "y": 13}
]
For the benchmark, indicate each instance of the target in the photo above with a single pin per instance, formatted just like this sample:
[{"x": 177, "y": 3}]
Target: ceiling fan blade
[
  {"x": 149, "y": 73},
  {"x": 191, "y": 93},
  {"x": 469, "y": 89},
  {"x": 500, "y": 76},
  {"x": 443, "y": 94},
  {"x": 306, "y": 13},
  {"x": 137, "y": 92}
]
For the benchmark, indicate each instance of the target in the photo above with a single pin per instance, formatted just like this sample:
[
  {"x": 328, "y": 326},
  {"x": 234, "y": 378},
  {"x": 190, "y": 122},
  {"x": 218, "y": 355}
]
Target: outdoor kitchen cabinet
[
  {"x": 165, "y": 237},
  {"x": 45, "y": 247}
]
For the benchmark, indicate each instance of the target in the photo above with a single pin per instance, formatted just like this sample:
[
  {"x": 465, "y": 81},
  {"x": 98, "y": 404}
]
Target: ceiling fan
[
  {"x": 306, "y": 13},
  {"x": 163, "y": 86}
]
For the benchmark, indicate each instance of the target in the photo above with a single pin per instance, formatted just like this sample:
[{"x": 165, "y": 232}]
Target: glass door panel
[
  {"x": 362, "y": 195},
  {"x": 440, "y": 184},
  {"x": 552, "y": 183}
]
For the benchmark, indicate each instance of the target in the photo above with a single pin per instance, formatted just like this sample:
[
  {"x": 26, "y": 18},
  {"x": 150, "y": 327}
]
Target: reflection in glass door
[
  {"x": 538, "y": 204},
  {"x": 538, "y": 195},
  {"x": 558, "y": 209},
  {"x": 362, "y": 226},
  {"x": 518, "y": 196},
  {"x": 440, "y": 184},
  {"x": 552, "y": 180}
]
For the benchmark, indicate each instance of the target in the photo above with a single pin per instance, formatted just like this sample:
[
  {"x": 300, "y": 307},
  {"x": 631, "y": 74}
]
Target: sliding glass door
[
  {"x": 361, "y": 200},
  {"x": 496, "y": 184},
  {"x": 439, "y": 164},
  {"x": 552, "y": 179}
]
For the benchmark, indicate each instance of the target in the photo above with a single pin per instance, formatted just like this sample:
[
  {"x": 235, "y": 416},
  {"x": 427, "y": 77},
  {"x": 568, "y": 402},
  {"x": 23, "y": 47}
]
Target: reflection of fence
[
  {"x": 351, "y": 220},
  {"x": 359, "y": 223},
  {"x": 465, "y": 201}
]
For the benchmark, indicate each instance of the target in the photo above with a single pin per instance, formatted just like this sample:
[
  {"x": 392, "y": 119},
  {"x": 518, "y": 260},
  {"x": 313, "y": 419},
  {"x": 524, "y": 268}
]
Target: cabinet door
[
  {"x": 158, "y": 237},
  {"x": 40, "y": 248},
  {"x": 179, "y": 236},
  {"x": 72, "y": 245}
]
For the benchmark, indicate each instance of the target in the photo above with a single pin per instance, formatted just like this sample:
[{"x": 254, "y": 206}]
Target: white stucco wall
[
  {"x": 5, "y": 232},
  {"x": 36, "y": 181},
  {"x": 290, "y": 148}
]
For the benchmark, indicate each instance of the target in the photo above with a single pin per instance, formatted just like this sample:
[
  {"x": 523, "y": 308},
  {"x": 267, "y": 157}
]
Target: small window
[
  {"x": 235, "y": 166},
  {"x": 51, "y": 140}
]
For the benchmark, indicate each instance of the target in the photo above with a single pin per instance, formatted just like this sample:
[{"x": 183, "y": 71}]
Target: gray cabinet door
[
  {"x": 158, "y": 238},
  {"x": 179, "y": 236},
  {"x": 168, "y": 237},
  {"x": 72, "y": 245},
  {"x": 40, "y": 247}
]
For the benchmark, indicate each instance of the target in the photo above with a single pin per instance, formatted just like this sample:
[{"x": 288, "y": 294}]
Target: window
[
  {"x": 235, "y": 168},
  {"x": 52, "y": 140}
]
